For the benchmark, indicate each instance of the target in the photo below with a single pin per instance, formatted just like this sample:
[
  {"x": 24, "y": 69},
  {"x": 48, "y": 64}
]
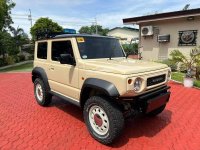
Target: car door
[{"x": 63, "y": 78}]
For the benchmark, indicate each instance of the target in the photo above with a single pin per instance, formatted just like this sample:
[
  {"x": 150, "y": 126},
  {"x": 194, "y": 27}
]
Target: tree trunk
[{"x": 198, "y": 73}]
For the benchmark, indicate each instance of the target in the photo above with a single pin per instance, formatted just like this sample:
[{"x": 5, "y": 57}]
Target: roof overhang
[{"x": 162, "y": 16}]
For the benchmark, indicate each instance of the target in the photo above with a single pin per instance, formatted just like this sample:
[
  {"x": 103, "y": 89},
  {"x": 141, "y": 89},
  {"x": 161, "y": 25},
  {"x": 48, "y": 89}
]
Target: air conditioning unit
[
  {"x": 147, "y": 30},
  {"x": 164, "y": 38}
]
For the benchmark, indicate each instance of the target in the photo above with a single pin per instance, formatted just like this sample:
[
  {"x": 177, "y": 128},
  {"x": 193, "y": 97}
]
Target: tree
[
  {"x": 20, "y": 37},
  {"x": 8, "y": 44},
  {"x": 5, "y": 21},
  {"x": 43, "y": 24},
  {"x": 5, "y": 11},
  {"x": 92, "y": 30}
]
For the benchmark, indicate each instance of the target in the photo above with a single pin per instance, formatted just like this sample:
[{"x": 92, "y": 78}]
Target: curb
[{"x": 17, "y": 64}]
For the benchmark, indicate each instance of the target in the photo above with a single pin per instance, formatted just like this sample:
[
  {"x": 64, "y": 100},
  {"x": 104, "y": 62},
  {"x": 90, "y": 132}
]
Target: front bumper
[{"x": 150, "y": 101}]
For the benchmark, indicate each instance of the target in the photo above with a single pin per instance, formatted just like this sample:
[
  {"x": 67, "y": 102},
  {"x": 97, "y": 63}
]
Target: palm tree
[
  {"x": 190, "y": 63},
  {"x": 18, "y": 33}
]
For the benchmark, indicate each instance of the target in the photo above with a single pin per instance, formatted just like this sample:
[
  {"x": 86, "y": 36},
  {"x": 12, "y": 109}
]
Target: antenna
[{"x": 186, "y": 7}]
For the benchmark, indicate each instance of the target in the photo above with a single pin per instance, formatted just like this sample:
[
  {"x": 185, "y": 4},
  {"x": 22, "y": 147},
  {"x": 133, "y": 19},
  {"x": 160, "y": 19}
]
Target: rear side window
[
  {"x": 42, "y": 50},
  {"x": 61, "y": 47}
]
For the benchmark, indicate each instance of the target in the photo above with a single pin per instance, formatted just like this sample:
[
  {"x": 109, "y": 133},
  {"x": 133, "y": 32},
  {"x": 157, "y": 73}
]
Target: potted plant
[{"x": 188, "y": 62}]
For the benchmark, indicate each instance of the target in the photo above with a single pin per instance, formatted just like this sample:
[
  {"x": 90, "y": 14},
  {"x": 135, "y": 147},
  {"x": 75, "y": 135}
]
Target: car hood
[{"x": 122, "y": 65}]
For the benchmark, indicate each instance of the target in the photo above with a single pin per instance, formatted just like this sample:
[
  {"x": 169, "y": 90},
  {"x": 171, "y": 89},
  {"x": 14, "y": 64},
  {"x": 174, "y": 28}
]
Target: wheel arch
[
  {"x": 97, "y": 85},
  {"x": 39, "y": 72}
]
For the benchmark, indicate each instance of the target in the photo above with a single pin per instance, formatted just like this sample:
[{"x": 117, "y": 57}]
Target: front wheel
[{"x": 103, "y": 118}]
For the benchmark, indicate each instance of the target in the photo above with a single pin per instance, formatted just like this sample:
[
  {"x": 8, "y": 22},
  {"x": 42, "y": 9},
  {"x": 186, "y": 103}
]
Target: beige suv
[{"x": 94, "y": 73}]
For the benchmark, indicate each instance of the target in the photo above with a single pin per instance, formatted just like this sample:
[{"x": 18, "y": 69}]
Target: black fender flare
[
  {"x": 39, "y": 72},
  {"x": 107, "y": 87}
]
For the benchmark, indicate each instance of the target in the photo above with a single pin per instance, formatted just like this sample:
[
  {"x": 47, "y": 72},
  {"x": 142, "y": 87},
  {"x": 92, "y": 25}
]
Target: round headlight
[{"x": 138, "y": 84}]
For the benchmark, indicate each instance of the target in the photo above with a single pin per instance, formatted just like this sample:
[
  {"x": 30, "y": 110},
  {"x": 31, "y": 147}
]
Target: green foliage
[
  {"x": 43, "y": 24},
  {"x": 179, "y": 76},
  {"x": 19, "y": 36},
  {"x": 188, "y": 63},
  {"x": 25, "y": 67},
  {"x": 197, "y": 83},
  {"x": 1, "y": 62},
  {"x": 130, "y": 48},
  {"x": 92, "y": 30},
  {"x": 10, "y": 60},
  {"x": 31, "y": 57},
  {"x": 21, "y": 57},
  {"x": 8, "y": 44},
  {"x": 5, "y": 11},
  {"x": 170, "y": 63}
]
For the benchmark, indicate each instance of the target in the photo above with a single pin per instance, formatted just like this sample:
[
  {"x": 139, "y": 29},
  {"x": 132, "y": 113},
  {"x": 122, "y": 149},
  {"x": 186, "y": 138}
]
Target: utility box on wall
[{"x": 163, "y": 38}]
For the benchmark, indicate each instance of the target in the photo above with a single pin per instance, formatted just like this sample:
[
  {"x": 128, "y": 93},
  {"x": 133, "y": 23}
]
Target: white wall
[
  {"x": 153, "y": 50},
  {"x": 123, "y": 33}
]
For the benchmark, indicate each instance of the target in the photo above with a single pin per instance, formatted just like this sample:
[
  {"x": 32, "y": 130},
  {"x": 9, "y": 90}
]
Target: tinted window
[
  {"x": 42, "y": 50},
  {"x": 61, "y": 47},
  {"x": 99, "y": 47}
]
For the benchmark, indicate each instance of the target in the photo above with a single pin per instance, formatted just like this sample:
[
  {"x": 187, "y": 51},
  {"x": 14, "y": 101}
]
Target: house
[
  {"x": 125, "y": 34},
  {"x": 164, "y": 32}
]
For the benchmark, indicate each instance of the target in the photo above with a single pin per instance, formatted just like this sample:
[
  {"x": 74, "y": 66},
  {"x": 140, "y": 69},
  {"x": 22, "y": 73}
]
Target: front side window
[
  {"x": 99, "y": 47},
  {"x": 61, "y": 47},
  {"x": 42, "y": 50}
]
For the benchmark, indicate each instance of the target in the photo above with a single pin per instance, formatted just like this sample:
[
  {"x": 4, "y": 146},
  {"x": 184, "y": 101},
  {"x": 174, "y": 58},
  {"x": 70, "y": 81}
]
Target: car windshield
[{"x": 99, "y": 47}]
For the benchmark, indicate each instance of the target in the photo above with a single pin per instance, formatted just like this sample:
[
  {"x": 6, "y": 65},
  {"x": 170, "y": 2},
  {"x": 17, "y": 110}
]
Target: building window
[
  {"x": 187, "y": 38},
  {"x": 42, "y": 50}
]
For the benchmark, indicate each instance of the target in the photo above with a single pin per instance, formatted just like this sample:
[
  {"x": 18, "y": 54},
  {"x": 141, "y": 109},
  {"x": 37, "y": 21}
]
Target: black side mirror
[{"x": 67, "y": 59}]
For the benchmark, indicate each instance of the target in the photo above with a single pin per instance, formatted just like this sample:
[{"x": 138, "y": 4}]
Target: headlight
[{"x": 137, "y": 84}]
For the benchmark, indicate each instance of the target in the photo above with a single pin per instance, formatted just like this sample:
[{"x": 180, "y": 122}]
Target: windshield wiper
[{"x": 110, "y": 58}]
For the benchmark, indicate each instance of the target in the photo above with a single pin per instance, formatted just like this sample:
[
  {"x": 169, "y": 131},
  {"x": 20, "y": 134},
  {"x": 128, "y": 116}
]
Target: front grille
[{"x": 156, "y": 80}]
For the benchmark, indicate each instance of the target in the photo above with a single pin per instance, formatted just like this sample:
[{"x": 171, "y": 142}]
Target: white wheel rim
[
  {"x": 39, "y": 92},
  {"x": 98, "y": 120}
]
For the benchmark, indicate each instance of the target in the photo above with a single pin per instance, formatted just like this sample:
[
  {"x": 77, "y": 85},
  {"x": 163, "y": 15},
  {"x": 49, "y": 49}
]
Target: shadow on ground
[{"x": 134, "y": 128}]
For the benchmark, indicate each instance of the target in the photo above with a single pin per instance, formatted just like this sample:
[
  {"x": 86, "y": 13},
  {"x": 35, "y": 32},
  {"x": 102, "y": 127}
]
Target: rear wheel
[
  {"x": 103, "y": 118},
  {"x": 42, "y": 95},
  {"x": 156, "y": 111}
]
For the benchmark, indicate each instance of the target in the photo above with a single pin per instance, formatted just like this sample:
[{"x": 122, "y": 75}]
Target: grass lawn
[
  {"x": 178, "y": 76},
  {"x": 22, "y": 68}
]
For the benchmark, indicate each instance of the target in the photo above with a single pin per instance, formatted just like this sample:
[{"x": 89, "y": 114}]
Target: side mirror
[{"x": 67, "y": 59}]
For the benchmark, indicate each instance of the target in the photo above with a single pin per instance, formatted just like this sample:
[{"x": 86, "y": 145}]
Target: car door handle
[{"x": 51, "y": 68}]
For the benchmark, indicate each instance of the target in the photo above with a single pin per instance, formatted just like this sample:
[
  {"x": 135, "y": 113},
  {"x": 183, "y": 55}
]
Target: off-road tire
[
  {"x": 156, "y": 111},
  {"x": 46, "y": 98},
  {"x": 114, "y": 115}
]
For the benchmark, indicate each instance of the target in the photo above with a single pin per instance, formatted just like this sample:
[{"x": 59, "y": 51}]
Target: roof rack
[{"x": 47, "y": 34}]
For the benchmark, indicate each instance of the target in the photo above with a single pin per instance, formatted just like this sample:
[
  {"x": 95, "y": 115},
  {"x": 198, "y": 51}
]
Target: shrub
[
  {"x": 31, "y": 57},
  {"x": 170, "y": 63},
  {"x": 21, "y": 58},
  {"x": 9, "y": 60},
  {"x": 16, "y": 58},
  {"x": 188, "y": 64},
  {"x": 130, "y": 48},
  {"x": 1, "y": 62}
]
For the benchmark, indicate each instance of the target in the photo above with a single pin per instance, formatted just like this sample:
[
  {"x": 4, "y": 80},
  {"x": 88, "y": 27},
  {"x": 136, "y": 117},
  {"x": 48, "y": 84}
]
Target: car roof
[{"x": 79, "y": 35}]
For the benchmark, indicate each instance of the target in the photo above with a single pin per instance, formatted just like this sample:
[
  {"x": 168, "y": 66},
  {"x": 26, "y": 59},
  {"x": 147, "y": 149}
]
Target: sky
[{"x": 76, "y": 13}]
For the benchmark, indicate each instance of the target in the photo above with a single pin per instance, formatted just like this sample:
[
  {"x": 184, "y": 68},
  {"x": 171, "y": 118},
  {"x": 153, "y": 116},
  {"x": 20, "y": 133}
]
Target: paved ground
[{"x": 26, "y": 125}]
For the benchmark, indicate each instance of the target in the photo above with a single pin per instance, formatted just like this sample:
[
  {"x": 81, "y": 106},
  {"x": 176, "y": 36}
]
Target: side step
[{"x": 68, "y": 99}]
